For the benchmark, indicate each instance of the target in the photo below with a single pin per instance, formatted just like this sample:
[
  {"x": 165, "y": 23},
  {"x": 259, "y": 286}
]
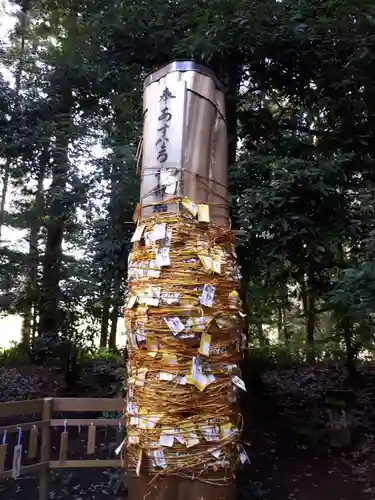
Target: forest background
[
  {"x": 300, "y": 100},
  {"x": 301, "y": 119}
]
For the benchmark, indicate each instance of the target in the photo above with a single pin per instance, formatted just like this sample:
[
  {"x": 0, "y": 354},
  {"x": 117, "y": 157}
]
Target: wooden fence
[{"x": 41, "y": 428}]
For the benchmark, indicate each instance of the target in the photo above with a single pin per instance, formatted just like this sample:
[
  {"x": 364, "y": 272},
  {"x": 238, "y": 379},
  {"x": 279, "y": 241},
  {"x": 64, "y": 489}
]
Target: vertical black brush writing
[{"x": 162, "y": 142}]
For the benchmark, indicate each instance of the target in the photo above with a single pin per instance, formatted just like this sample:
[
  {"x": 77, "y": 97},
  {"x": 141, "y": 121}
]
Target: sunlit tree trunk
[
  {"x": 103, "y": 342},
  {"x": 50, "y": 292},
  {"x": 17, "y": 112},
  {"x": 32, "y": 288}
]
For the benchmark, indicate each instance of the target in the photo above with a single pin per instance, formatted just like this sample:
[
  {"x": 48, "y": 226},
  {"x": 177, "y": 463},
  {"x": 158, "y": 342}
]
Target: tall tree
[{"x": 16, "y": 115}]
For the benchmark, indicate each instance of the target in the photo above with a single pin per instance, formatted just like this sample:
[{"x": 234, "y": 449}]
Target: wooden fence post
[{"x": 45, "y": 450}]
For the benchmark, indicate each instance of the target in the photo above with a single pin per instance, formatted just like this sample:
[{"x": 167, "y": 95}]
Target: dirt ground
[
  {"x": 280, "y": 469},
  {"x": 283, "y": 467}
]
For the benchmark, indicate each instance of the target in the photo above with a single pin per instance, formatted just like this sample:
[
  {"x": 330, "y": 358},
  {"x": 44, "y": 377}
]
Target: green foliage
[
  {"x": 102, "y": 371},
  {"x": 102, "y": 354},
  {"x": 282, "y": 357},
  {"x": 300, "y": 107},
  {"x": 354, "y": 291},
  {"x": 15, "y": 356}
]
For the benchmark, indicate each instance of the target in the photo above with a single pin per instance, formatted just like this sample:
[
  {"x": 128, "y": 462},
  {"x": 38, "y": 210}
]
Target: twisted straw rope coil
[{"x": 184, "y": 327}]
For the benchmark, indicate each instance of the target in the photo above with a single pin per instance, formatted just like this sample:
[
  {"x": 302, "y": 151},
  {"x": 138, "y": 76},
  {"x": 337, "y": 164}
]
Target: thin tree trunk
[
  {"x": 285, "y": 326},
  {"x": 279, "y": 324},
  {"x": 49, "y": 305},
  {"x": 32, "y": 284},
  {"x": 244, "y": 286},
  {"x": 104, "y": 324},
  {"x": 4, "y": 192},
  {"x": 112, "y": 342},
  {"x": 229, "y": 71},
  {"x": 310, "y": 321},
  {"x": 345, "y": 325},
  {"x": 117, "y": 299},
  {"x": 116, "y": 216},
  {"x": 16, "y": 117},
  {"x": 263, "y": 340},
  {"x": 35, "y": 326},
  {"x": 350, "y": 353},
  {"x": 308, "y": 301}
]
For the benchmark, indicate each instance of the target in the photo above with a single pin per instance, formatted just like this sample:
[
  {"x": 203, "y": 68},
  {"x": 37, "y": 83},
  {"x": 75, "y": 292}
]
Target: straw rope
[{"x": 184, "y": 325}]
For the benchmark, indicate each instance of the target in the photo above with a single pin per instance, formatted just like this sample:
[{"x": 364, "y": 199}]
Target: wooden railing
[{"x": 46, "y": 408}]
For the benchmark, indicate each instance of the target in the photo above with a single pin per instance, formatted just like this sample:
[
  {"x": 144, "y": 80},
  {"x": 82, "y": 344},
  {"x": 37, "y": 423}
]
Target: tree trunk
[
  {"x": 346, "y": 329},
  {"x": 117, "y": 297},
  {"x": 117, "y": 300},
  {"x": 184, "y": 488},
  {"x": 244, "y": 286},
  {"x": 308, "y": 301},
  {"x": 285, "y": 326},
  {"x": 229, "y": 72},
  {"x": 16, "y": 116},
  {"x": 35, "y": 325},
  {"x": 282, "y": 326},
  {"x": 50, "y": 297},
  {"x": 105, "y": 323},
  {"x": 4, "y": 192},
  {"x": 263, "y": 340},
  {"x": 351, "y": 352},
  {"x": 116, "y": 223},
  {"x": 279, "y": 324},
  {"x": 310, "y": 321},
  {"x": 112, "y": 342},
  {"x": 32, "y": 283}
]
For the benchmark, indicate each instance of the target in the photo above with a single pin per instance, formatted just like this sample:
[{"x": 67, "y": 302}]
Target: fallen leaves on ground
[{"x": 29, "y": 382}]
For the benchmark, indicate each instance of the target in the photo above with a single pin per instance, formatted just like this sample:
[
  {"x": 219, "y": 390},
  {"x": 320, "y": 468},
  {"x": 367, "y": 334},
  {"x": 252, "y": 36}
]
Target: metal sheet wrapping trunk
[
  {"x": 183, "y": 313},
  {"x": 187, "y": 154}
]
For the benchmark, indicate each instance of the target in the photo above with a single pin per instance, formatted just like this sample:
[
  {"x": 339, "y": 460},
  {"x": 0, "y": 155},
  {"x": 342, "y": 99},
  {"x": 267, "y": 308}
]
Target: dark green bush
[
  {"x": 280, "y": 356},
  {"x": 15, "y": 355}
]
